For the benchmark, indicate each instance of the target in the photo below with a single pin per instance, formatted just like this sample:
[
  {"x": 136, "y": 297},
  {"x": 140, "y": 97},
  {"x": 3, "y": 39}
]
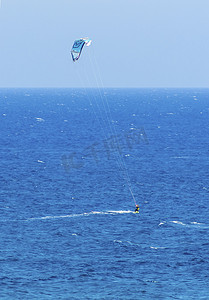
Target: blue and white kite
[{"x": 78, "y": 46}]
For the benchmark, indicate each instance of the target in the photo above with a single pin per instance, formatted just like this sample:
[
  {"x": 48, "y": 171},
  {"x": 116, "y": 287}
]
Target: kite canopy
[{"x": 78, "y": 46}]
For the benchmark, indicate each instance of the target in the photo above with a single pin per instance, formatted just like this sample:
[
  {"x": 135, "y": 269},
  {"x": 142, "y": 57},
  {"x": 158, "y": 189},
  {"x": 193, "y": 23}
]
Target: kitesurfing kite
[
  {"x": 76, "y": 52},
  {"x": 78, "y": 46}
]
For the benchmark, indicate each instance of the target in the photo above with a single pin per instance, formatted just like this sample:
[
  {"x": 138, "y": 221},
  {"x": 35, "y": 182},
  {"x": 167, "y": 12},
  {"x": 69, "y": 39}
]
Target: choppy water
[{"x": 68, "y": 230}]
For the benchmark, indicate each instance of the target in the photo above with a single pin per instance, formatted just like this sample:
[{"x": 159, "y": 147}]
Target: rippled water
[{"x": 69, "y": 162}]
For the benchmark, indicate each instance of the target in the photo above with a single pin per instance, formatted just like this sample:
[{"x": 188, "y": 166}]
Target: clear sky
[{"x": 135, "y": 43}]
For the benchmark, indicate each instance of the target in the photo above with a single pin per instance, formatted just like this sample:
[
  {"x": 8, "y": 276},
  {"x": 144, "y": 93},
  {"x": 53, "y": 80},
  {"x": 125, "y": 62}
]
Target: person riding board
[{"x": 137, "y": 208}]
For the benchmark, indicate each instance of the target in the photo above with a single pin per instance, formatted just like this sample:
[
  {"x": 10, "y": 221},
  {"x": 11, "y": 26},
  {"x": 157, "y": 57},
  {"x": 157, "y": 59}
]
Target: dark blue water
[{"x": 69, "y": 162}]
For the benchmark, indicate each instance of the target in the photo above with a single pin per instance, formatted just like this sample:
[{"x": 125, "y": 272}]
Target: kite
[{"x": 78, "y": 46}]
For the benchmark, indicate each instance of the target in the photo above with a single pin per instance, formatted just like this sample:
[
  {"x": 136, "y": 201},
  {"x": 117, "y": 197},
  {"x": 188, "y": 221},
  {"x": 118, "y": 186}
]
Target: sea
[{"x": 74, "y": 163}]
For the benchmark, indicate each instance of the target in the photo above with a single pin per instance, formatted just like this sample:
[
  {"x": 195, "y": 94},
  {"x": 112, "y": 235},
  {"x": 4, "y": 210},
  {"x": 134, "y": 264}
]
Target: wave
[
  {"x": 190, "y": 224},
  {"x": 129, "y": 243}
]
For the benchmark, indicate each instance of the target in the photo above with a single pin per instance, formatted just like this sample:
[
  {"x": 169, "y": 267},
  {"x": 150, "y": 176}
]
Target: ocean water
[{"x": 73, "y": 163}]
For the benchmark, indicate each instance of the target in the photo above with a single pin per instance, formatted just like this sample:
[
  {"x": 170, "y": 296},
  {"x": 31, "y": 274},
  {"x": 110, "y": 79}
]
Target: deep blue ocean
[{"x": 71, "y": 160}]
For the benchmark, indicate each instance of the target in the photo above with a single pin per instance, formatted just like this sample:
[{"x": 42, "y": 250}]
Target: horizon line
[{"x": 93, "y": 87}]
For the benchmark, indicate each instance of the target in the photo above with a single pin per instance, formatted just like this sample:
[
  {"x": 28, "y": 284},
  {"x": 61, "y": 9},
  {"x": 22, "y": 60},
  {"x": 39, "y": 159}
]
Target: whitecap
[
  {"x": 161, "y": 223},
  {"x": 40, "y": 120},
  {"x": 196, "y": 223},
  {"x": 178, "y": 222},
  {"x": 156, "y": 248}
]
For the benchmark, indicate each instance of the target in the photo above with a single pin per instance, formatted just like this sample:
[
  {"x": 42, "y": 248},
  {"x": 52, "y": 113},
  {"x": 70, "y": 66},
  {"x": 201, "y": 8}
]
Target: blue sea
[{"x": 74, "y": 162}]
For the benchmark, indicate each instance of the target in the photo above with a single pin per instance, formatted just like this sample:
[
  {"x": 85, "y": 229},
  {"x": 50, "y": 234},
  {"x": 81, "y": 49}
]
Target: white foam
[
  {"x": 192, "y": 224},
  {"x": 84, "y": 214},
  {"x": 196, "y": 223},
  {"x": 40, "y": 120},
  {"x": 161, "y": 223},
  {"x": 178, "y": 222},
  {"x": 120, "y": 211},
  {"x": 156, "y": 248}
]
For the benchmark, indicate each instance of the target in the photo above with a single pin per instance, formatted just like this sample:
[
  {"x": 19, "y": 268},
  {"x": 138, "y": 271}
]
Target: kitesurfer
[{"x": 137, "y": 208}]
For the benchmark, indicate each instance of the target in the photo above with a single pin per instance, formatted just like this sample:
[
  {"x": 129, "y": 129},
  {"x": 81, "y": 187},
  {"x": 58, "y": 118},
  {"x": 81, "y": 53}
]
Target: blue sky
[{"x": 135, "y": 43}]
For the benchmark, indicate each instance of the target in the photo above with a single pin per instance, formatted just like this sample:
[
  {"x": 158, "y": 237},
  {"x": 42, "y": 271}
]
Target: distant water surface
[{"x": 70, "y": 159}]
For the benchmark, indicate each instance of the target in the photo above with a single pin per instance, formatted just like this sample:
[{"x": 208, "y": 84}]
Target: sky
[{"x": 135, "y": 43}]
